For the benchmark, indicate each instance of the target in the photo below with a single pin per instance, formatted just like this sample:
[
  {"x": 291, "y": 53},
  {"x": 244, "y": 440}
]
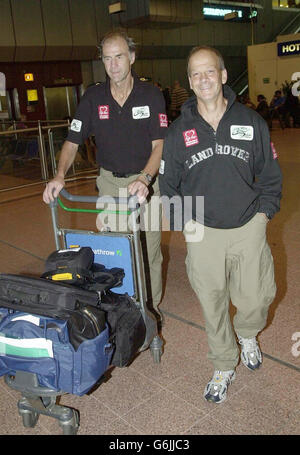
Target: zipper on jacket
[{"x": 214, "y": 134}]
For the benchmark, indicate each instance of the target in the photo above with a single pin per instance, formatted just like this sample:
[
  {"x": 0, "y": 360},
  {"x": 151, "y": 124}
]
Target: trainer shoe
[
  {"x": 216, "y": 389},
  {"x": 250, "y": 354}
]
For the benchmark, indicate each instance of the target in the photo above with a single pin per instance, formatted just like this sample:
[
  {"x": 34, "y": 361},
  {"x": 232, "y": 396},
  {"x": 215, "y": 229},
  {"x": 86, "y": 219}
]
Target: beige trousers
[
  {"x": 234, "y": 264},
  {"x": 150, "y": 228}
]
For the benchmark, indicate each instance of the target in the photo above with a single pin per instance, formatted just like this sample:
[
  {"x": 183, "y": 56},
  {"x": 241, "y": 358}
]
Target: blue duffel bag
[{"x": 40, "y": 345}]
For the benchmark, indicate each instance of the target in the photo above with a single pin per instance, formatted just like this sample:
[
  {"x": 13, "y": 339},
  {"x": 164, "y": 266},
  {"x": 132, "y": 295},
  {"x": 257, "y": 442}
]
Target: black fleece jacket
[{"x": 235, "y": 167}]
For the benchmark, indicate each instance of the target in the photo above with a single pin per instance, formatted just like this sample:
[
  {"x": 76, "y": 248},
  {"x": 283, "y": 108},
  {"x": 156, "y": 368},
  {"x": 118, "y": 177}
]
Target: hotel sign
[{"x": 288, "y": 48}]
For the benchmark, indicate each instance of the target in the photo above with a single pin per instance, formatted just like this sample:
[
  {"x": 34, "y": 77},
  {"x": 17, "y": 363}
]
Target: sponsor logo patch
[
  {"x": 162, "y": 167},
  {"x": 140, "y": 112},
  {"x": 163, "y": 120},
  {"x": 275, "y": 156},
  {"x": 190, "y": 137},
  {"x": 76, "y": 125},
  {"x": 241, "y": 132},
  {"x": 103, "y": 112}
]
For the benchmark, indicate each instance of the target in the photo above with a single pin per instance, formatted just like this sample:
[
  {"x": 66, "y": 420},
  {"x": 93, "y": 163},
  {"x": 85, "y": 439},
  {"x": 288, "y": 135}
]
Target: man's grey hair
[
  {"x": 117, "y": 34},
  {"x": 206, "y": 48}
]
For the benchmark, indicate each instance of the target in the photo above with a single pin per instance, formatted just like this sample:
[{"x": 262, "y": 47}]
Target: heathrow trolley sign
[{"x": 288, "y": 48}]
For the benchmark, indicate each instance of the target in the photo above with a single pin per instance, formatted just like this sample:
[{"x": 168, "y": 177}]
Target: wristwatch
[{"x": 148, "y": 177}]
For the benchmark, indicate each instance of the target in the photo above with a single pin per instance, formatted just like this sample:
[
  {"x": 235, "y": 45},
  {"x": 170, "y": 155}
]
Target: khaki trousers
[
  {"x": 150, "y": 228},
  {"x": 234, "y": 264}
]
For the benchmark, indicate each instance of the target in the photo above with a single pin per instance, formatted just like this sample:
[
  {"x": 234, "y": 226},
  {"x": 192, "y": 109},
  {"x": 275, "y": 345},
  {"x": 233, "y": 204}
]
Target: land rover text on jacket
[{"x": 235, "y": 167}]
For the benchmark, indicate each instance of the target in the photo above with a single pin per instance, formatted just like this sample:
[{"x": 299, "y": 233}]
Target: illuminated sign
[
  {"x": 221, "y": 12},
  {"x": 233, "y": 13},
  {"x": 28, "y": 77},
  {"x": 32, "y": 95},
  {"x": 288, "y": 48}
]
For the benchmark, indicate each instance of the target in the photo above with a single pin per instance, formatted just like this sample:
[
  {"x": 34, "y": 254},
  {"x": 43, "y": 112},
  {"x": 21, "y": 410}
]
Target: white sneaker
[
  {"x": 216, "y": 389},
  {"x": 250, "y": 354}
]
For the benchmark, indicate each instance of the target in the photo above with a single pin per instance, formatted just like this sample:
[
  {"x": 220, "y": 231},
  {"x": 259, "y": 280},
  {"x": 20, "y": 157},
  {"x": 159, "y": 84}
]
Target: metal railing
[
  {"x": 42, "y": 139},
  {"x": 289, "y": 28}
]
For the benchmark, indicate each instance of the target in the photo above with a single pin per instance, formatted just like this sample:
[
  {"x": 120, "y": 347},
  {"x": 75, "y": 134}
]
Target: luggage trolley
[
  {"x": 120, "y": 250},
  {"x": 114, "y": 249}
]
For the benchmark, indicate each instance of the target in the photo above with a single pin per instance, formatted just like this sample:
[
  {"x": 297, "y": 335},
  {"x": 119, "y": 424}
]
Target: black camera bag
[
  {"x": 127, "y": 326},
  {"x": 76, "y": 266}
]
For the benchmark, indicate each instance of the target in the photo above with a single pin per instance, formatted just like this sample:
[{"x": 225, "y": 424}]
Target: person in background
[
  {"x": 277, "y": 109},
  {"x": 292, "y": 110},
  {"x": 220, "y": 149},
  {"x": 247, "y": 102},
  {"x": 262, "y": 109},
  {"x": 166, "y": 95},
  {"x": 178, "y": 96}
]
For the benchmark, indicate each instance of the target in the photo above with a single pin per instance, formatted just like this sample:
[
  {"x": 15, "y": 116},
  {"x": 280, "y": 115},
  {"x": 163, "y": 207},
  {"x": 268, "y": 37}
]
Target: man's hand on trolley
[
  {"x": 53, "y": 189},
  {"x": 140, "y": 189}
]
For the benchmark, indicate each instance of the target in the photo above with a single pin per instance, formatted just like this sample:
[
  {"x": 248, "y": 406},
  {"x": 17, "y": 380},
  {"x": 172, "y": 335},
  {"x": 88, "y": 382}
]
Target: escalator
[{"x": 240, "y": 84}]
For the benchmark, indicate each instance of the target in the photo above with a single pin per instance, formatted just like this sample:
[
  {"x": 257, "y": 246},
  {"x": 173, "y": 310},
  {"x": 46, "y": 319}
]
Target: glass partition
[{"x": 29, "y": 153}]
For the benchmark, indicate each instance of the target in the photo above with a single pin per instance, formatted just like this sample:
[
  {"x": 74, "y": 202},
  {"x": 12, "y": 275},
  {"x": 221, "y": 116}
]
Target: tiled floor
[{"x": 147, "y": 398}]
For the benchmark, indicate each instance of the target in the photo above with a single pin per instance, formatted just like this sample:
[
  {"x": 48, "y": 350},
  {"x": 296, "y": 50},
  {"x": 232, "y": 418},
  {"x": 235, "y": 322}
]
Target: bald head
[
  {"x": 206, "y": 49},
  {"x": 206, "y": 75}
]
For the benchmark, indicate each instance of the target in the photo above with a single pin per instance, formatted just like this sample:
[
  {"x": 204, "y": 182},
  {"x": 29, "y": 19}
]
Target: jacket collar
[{"x": 189, "y": 108}]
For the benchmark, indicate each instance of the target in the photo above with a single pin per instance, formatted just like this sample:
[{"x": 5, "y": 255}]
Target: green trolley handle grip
[
  {"x": 69, "y": 209},
  {"x": 131, "y": 202}
]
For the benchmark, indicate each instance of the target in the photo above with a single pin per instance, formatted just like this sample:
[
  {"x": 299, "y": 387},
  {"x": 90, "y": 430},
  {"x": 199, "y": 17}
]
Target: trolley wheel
[
  {"x": 71, "y": 426},
  {"x": 156, "y": 354},
  {"x": 156, "y": 348},
  {"x": 69, "y": 430},
  {"x": 29, "y": 418}
]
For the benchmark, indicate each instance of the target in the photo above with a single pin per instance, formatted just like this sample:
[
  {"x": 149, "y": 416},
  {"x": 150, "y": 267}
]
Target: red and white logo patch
[
  {"x": 274, "y": 151},
  {"x": 163, "y": 120},
  {"x": 103, "y": 112},
  {"x": 190, "y": 137}
]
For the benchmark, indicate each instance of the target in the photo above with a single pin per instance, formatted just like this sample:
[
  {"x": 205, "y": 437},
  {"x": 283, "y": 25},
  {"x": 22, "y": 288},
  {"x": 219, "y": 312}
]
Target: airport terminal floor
[{"x": 147, "y": 398}]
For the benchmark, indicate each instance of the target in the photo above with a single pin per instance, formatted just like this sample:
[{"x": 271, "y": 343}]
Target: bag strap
[{"x": 41, "y": 310}]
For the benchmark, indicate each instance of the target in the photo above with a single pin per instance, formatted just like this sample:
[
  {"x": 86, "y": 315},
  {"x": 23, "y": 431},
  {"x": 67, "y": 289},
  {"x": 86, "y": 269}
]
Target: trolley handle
[{"x": 131, "y": 201}]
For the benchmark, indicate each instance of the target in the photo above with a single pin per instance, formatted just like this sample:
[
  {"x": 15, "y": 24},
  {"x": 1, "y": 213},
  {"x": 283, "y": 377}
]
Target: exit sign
[{"x": 28, "y": 77}]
